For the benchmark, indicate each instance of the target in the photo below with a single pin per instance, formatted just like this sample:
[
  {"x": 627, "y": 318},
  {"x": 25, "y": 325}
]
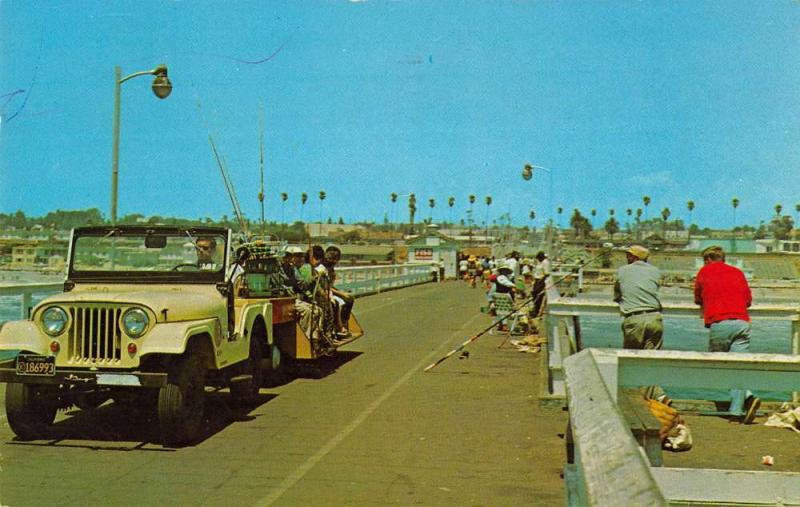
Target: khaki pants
[
  {"x": 644, "y": 332},
  {"x": 310, "y": 318}
]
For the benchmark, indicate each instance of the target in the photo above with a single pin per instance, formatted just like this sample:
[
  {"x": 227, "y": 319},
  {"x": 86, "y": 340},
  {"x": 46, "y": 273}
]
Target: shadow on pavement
[
  {"x": 322, "y": 367},
  {"x": 115, "y": 427}
]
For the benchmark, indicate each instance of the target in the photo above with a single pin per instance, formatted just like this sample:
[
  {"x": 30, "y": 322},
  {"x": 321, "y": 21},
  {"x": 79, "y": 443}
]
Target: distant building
[
  {"x": 777, "y": 246},
  {"x": 727, "y": 244},
  {"x": 318, "y": 230},
  {"x": 38, "y": 255},
  {"x": 434, "y": 247}
]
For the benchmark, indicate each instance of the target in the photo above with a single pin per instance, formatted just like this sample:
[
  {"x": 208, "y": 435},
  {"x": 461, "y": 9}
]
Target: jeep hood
[{"x": 181, "y": 302}]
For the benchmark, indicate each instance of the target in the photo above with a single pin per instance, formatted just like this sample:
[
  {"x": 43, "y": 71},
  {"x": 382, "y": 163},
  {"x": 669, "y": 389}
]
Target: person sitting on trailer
[
  {"x": 343, "y": 300},
  {"x": 316, "y": 273},
  {"x": 293, "y": 280}
]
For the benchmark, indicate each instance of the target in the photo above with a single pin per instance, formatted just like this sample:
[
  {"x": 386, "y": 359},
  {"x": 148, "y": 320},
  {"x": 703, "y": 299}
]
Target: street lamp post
[
  {"x": 527, "y": 175},
  {"x": 162, "y": 87}
]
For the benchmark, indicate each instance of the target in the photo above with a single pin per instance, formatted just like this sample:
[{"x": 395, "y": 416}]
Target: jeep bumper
[{"x": 88, "y": 378}]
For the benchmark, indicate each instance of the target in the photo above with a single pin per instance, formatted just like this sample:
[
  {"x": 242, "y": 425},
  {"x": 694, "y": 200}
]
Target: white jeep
[{"x": 148, "y": 314}]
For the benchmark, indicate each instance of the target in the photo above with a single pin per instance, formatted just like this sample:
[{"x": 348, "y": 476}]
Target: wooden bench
[{"x": 643, "y": 424}]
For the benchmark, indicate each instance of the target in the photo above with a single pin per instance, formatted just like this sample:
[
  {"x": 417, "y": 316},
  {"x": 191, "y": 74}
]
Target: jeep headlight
[
  {"x": 54, "y": 320},
  {"x": 134, "y": 322}
]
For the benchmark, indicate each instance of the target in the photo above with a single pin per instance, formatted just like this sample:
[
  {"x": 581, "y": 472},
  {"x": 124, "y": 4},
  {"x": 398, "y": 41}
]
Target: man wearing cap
[
  {"x": 292, "y": 278},
  {"x": 723, "y": 292},
  {"x": 636, "y": 291},
  {"x": 541, "y": 273}
]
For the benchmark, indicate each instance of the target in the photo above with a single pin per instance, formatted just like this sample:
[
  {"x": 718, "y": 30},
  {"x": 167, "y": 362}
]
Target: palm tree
[
  {"x": 532, "y": 216},
  {"x": 665, "y": 213},
  {"x": 471, "y": 200},
  {"x": 451, "y": 201},
  {"x": 611, "y": 212},
  {"x": 638, "y": 220},
  {"x": 393, "y": 198},
  {"x": 322, "y": 196},
  {"x": 559, "y": 210},
  {"x": 431, "y": 204},
  {"x": 778, "y": 209},
  {"x": 796, "y": 219},
  {"x": 488, "y": 203},
  {"x": 303, "y": 200},
  {"x": 412, "y": 209},
  {"x": 646, "y": 202},
  {"x": 735, "y": 204},
  {"x": 593, "y": 212},
  {"x": 284, "y": 197},
  {"x": 628, "y": 212},
  {"x": 690, "y": 207}
]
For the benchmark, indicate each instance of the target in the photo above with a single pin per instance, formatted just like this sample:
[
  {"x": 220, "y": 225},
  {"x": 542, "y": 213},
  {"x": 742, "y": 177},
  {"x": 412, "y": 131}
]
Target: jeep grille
[{"x": 95, "y": 336}]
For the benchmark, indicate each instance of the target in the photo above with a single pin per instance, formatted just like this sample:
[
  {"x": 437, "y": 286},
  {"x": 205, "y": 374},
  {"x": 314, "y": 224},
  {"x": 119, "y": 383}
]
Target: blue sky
[{"x": 676, "y": 100}]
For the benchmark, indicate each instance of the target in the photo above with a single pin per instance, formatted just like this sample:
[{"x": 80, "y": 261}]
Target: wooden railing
[{"x": 608, "y": 467}]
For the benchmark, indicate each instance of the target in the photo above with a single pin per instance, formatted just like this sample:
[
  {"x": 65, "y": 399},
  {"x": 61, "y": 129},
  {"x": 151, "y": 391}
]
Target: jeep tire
[
  {"x": 181, "y": 401},
  {"x": 246, "y": 392},
  {"x": 274, "y": 366},
  {"x": 28, "y": 414}
]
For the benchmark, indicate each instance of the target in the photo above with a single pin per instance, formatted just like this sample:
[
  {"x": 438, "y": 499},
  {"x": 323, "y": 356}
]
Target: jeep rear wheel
[
  {"x": 275, "y": 366},
  {"x": 181, "y": 401},
  {"x": 246, "y": 391},
  {"x": 29, "y": 415}
]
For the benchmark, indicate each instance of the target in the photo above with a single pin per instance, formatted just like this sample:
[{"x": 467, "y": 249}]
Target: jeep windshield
[{"x": 147, "y": 254}]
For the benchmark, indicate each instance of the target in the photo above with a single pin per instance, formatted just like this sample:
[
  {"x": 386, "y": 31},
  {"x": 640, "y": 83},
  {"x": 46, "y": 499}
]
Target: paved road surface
[{"x": 374, "y": 431}]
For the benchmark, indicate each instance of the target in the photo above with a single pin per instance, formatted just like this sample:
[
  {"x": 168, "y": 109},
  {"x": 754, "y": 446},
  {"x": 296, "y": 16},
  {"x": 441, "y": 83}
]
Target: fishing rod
[
  {"x": 552, "y": 284},
  {"x": 261, "y": 149},
  {"x": 228, "y": 185},
  {"x": 223, "y": 171}
]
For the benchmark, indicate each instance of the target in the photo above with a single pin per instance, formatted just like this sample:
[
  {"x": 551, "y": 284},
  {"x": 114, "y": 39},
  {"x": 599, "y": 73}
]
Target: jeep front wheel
[
  {"x": 181, "y": 401},
  {"x": 28, "y": 414},
  {"x": 246, "y": 391}
]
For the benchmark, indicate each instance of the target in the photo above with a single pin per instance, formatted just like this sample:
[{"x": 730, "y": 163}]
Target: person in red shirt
[{"x": 723, "y": 292}]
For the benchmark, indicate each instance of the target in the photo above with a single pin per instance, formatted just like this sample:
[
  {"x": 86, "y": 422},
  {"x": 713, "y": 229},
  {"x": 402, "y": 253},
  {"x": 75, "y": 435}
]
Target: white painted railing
[
  {"x": 374, "y": 279},
  {"x": 357, "y": 280},
  {"x": 26, "y": 291}
]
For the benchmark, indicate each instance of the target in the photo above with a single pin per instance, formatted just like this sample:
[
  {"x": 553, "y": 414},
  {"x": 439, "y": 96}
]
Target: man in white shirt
[{"x": 541, "y": 273}]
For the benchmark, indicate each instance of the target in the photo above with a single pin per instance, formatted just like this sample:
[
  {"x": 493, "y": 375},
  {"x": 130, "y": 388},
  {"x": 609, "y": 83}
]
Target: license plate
[{"x": 42, "y": 366}]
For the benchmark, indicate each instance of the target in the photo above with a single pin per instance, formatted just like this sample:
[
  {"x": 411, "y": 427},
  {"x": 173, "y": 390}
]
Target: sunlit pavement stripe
[{"x": 303, "y": 469}]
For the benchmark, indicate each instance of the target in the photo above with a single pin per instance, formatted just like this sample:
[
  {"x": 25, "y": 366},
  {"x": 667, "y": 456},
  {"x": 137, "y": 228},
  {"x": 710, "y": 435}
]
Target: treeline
[{"x": 61, "y": 220}]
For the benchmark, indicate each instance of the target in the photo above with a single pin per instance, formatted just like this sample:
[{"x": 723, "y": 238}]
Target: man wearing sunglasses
[{"x": 206, "y": 253}]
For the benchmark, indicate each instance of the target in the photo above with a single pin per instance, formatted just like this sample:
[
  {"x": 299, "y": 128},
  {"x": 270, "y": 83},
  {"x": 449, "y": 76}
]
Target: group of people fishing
[{"x": 513, "y": 275}]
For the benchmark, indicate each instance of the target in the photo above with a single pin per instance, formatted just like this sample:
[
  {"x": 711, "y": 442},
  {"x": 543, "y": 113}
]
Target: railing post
[
  {"x": 26, "y": 304},
  {"x": 796, "y": 351}
]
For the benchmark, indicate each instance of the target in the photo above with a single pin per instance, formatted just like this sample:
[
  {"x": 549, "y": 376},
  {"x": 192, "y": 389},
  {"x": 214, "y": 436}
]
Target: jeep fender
[
  {"x": 172, "y": 337},
  {"x": 24, "y": 335},
  {"x": 249, "y": 315}
]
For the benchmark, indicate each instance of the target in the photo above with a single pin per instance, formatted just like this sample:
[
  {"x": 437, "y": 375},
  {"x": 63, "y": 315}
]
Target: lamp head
[
  {"x": 527, "y": 172},
  {"x": 162, "y": 86}
]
